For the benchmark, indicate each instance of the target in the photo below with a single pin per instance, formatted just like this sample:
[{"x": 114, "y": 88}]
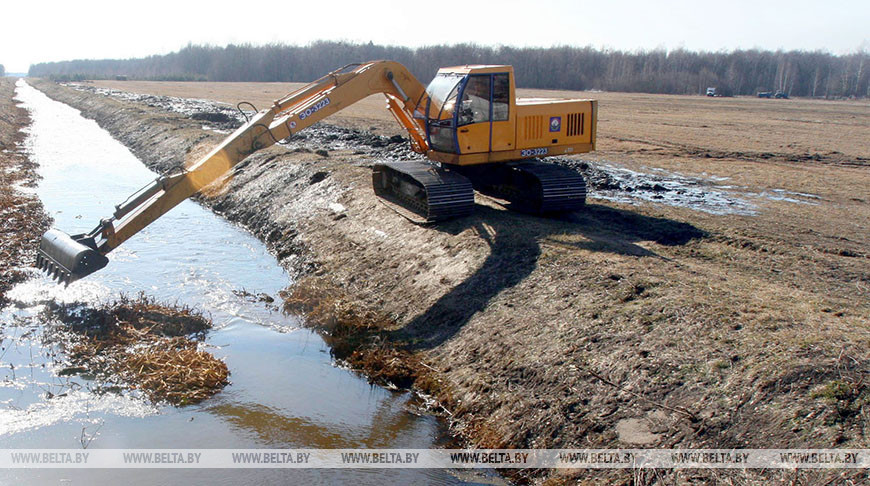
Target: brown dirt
[
  {"x": 147, "y": 345},
  {"x": 22, "y": 216},
  {"x": 711, "y": 331}
]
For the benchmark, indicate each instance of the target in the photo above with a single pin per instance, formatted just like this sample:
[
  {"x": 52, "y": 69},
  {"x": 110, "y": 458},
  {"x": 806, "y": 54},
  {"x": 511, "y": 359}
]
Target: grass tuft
[{"x": 148, "y": 345}]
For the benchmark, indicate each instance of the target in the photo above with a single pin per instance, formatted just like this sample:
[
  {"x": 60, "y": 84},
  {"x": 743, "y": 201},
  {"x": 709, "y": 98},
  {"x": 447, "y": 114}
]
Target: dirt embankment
[
  {"x": 21, "y": 213},
  {"x": 616, "y": 326}
]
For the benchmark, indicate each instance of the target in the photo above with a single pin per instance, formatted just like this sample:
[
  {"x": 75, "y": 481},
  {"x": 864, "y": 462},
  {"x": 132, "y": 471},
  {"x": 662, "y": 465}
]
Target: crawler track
[
  {"x": 530, "y": 186},
  {"x": 430, "y": 193}
]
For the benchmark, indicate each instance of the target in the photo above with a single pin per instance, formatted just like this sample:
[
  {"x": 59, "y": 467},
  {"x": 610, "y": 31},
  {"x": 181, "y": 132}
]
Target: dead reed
[{"x": 151, "y": 346}]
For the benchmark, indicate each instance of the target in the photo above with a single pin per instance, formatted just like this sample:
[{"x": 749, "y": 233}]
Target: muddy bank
[
  {"x": 615, "y": 326},
  {"x": 20, "y": 211}
]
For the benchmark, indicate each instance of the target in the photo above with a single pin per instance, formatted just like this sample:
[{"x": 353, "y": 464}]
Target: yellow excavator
[{"x": 468, "y": 122}]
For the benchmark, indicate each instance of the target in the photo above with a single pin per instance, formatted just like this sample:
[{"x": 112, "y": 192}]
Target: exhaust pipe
[{"x": 68, "y": 258}]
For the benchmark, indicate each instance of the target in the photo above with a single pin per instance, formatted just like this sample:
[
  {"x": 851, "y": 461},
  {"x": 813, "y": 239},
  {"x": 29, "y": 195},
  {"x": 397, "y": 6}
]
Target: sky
[{"x": 33, "y": 32}]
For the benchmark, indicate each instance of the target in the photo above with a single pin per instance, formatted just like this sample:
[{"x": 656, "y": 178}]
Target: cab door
[
  {"x": 474, "y": 115},
  {"x": 503, "y": 127}
]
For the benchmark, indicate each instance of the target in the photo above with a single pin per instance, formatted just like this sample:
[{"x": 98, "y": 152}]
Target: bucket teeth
[{"x": 68, "y": 258}]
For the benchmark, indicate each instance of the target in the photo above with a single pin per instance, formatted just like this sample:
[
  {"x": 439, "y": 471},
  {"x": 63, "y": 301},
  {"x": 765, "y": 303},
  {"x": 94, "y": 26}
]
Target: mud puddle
[
  {"x": 612, "y": 183},
  {"x": 284, "y": 391},
  {"x": 711, "y": 194}
]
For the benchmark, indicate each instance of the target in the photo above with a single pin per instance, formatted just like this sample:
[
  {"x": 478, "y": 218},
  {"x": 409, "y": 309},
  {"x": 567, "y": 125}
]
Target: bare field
[
  {"x": 794, "y": 127},
  {"x": 738, "y": 138},
  {"x": 801, "y": 146},
  {"x": 642, "y": 324}
]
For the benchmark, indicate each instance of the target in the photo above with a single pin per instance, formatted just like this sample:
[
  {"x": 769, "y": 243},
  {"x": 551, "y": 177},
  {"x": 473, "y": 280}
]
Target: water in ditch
[{"x": 285, "y": 391}]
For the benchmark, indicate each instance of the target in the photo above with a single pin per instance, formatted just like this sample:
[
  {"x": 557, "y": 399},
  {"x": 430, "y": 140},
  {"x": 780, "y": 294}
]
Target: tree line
[{"x": 739, "y": 72}]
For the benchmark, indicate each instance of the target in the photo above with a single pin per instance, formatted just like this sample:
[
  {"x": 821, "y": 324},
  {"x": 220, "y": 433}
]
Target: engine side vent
[
  {"x": 575, "y": 124},
  {"x": 533, "y": 127}
]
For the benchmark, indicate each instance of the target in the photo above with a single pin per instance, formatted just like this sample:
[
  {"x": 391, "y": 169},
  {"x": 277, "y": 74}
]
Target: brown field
[
  {"x": 797, "y": 126},
  {"x": 625, "y": 325},
  {"x": 806, "y": 146},
  {"x": 739, "y": 138}
]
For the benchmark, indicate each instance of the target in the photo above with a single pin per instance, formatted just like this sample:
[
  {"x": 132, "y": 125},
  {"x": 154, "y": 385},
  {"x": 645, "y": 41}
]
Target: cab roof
[{"x": 477, "y": 69}]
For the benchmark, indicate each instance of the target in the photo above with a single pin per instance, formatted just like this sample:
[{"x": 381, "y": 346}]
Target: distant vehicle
[
  {"x": 781, "y": 95},
  {"x": 712, "y": 92},
  {"x": 765, "y": 94}
]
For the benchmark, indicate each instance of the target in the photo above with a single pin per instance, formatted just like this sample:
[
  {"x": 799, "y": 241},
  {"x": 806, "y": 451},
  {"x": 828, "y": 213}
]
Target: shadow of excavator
[{"x": 515, "y": 246}]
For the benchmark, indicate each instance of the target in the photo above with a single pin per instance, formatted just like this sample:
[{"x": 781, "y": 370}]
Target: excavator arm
[{"x": 69, "y": 258}]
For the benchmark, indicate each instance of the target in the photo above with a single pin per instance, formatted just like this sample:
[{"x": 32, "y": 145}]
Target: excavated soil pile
[{"x": 149, "y": 346}]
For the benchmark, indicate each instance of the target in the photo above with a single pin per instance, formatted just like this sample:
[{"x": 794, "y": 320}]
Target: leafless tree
[{"x": 742, "y": 72}]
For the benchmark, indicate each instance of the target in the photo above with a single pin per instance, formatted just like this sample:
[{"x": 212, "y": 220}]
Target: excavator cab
[
  {"x": 473, "y": 117},
  {"x": 469, "y": 110},
  {"x": 475, "y": 126},
  {"x": 468, "y": 113}
]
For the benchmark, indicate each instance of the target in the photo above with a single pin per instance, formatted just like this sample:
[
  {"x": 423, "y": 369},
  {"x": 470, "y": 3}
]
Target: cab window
[
  {"x": 443, "y": 92},
  {"x": 501, "y": 91},
  {"x": 474, "y": 107}
]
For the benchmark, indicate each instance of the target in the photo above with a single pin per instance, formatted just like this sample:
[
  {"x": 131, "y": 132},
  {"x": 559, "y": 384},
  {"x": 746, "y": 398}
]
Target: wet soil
[
  {"x": 697, "y": 328},
  {"x": 21, "y": 213}
]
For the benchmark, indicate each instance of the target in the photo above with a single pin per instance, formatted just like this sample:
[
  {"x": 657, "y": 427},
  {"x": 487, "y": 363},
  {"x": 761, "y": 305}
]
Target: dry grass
[
  {"x": 23, "y": 218},
  {"x": 355, "y": 333},
  {"x": 180, "y": 374},
  {"x": 150, "y": 346}
]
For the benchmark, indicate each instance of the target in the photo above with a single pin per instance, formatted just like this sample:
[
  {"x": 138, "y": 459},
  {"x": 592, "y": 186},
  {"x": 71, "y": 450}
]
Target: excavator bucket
[{"x": 68, "y": 258}]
